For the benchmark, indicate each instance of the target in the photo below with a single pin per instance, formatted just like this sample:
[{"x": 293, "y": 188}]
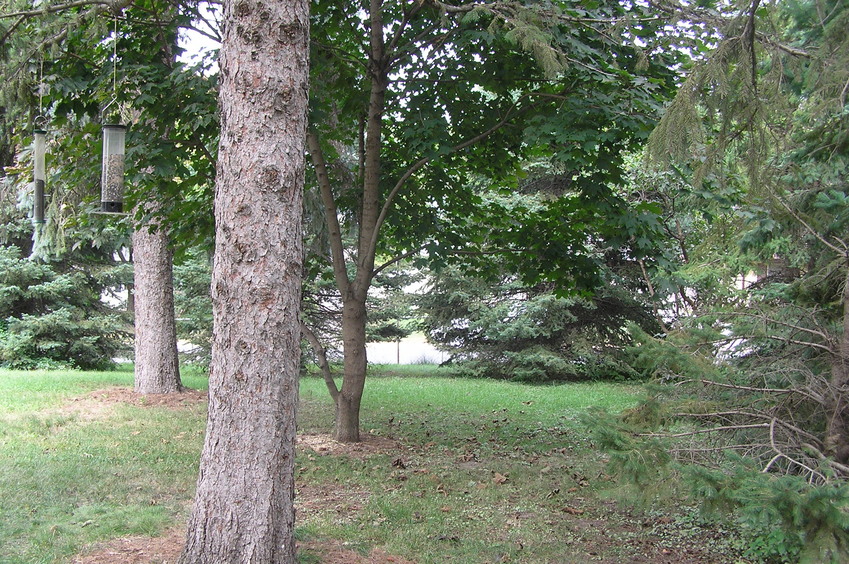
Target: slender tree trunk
[
  {"x": 354, "y": 292},
  {"x": 243, "y": 510},
  {"x": 837, "y": 409},
  {"x": 354, "y": 350},
  {"x": 157, "y": 368}
]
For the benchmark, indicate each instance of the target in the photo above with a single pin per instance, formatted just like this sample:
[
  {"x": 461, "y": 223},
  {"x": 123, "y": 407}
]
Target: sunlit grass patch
[{"x": 70, "y": 479}]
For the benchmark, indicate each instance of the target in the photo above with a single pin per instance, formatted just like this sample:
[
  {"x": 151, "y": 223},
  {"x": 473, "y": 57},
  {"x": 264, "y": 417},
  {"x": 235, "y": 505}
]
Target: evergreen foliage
[
  {"x": 54, "y": 276},
  {"x": 502, "y": 328},
  {"x": 752, "y": 411},
  {"x": 193, "y": 306},
  {"x": 52, "y": 319}
]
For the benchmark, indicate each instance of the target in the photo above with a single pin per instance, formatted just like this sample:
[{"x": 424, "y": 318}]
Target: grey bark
[
  {"x": 157, "y": 369},
  {"x": 243, "y": 509},
  {"x": 836, "y": 404},
  {"x": 347, "y": 428}
]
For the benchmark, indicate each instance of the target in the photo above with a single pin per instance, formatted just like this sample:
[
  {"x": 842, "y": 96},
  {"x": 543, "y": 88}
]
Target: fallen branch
[
  {"x": 804, "y": 393},
  {"x": 705, "y": 431},
  {"x": 780, "y": 454}
]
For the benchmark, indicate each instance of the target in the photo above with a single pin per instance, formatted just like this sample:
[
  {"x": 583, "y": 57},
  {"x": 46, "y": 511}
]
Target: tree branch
[
  {"x": 11, "y": 29},
  {"x": 792, "y": 326},
  {"x": 330, "y": 212},
  {"x": 426, "y": 160},
  {"x": 842, "y": 252},
  {"x": 395, "y": 260},
  {"x": 780, "y": 454},
  {"x": 62, "y": 7},
  {"x": 806, "y": 394},
  {"x": 321, "y": 357},
  {"x": 753, "y": 415},
  {"x": 705, "y": 431}
]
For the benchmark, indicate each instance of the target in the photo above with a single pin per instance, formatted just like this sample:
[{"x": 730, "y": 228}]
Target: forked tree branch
[
  {"x": 387, "y": 205},
  {"x": 780, "y": 454}
]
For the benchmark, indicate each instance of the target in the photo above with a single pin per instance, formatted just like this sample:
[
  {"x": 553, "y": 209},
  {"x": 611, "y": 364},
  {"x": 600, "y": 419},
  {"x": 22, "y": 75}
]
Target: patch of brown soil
[
  {"x": 343, "y": 503},
  {"x": 119, "y": 394},
  {"x": 100, "y": 404},
  {"x": 368, "y": 446},
  {"x": 167, "y": 548},
  {"x": 138, "y": 550}
]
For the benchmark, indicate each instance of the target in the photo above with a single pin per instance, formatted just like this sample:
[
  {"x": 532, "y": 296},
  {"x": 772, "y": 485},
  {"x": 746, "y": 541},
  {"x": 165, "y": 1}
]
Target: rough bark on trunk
[
  {"x": 354, "y": 350},
  {"x": 837, "y": 410},
  {"x": 157, "y": 369},
  {"x": 243, "y": 510}
]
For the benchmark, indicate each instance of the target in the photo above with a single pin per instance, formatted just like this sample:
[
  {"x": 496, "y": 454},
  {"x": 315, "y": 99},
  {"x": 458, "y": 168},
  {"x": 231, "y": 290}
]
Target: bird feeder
[
  {"x": 38, "y": 175},
  {"x": 112, "y": 180}
]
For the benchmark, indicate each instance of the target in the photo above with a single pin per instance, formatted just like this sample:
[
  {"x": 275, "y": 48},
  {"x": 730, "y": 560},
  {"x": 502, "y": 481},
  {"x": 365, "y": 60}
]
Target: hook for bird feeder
[
  {"x": 39, "y": 149},
  {"x": 112, "y": 177}
]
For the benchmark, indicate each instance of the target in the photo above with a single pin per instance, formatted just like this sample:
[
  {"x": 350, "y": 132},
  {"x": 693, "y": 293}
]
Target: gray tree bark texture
[
  {"x": 243, "y": 510},
  {"x": 157, "y": 368}
]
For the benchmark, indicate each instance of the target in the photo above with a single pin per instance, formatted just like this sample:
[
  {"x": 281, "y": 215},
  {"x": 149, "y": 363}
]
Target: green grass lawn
[
  {"x": 464, "y": 470},
  {"x": 73, "y": 474}
]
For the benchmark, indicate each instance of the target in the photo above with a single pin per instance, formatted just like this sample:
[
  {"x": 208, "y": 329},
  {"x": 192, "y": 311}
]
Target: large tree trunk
[
  {"x": 243, "y": 510},
  {"x": 157, "y": 369},
  {"x": 354, "y": 350}
]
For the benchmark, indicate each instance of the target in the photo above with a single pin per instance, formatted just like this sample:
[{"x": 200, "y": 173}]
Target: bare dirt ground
[
  {"x": 600, "y": 519},
  {"x": 166, "y": 550}
]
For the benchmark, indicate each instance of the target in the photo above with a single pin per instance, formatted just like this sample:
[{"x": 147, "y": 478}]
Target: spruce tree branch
[
  {"x": 721, "y": 448},
  {"x": 97, "y": 7},
  {"x": 799, "y": 342},
  {"x": 749, "y": 39},
  {"x": 788, "y": 340},
  {"x": 12, "y": 73},
  {"x": 809, "y": 395},
  {"x": 844, "y": 252},
  {"x": 769, "y": 320},
  {"x": 752, "y": 415},
  {"x": 780, "y": 454},
  {"x": 831, "y": 462},
  {"x": 766, "y": 40},
  {"x": 505, "y": 9},
  {"x": 704, "y": 431}
]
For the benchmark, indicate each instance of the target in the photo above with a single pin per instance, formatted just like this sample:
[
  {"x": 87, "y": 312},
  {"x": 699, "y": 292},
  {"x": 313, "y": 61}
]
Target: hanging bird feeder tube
[
  {"x": 112, "y": 180},
  {"x": 38, "y": 174}
]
